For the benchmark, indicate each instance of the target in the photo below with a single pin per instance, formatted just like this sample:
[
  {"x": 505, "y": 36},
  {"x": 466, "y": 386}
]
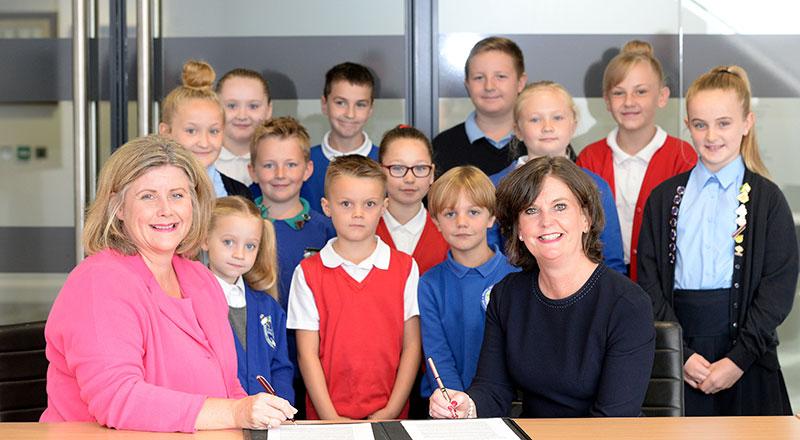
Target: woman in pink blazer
[{"x": 138, "y": 337}]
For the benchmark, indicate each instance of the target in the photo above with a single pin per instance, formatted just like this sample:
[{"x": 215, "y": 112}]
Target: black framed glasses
[{"x": 402, "y": 170}]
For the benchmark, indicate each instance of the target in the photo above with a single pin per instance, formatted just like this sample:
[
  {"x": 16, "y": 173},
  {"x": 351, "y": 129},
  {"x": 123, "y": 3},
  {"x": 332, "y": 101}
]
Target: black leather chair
[
  {"x": 23, "y": 372},
  {"x": 664, "y": 396}
]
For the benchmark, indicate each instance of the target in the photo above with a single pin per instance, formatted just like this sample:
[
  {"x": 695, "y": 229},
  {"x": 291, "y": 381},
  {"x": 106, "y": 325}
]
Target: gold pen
[{"x": 435, "y": 373}]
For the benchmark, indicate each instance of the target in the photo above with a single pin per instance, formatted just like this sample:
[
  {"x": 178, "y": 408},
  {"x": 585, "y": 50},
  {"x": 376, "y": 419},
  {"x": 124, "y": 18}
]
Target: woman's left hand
[{"x": 724, "y": 373}]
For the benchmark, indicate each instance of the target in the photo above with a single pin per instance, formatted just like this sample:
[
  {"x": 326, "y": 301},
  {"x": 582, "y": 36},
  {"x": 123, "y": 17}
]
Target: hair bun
[
  {"x": 198, "y": 75},
  {"x": 638, "y": 47}
]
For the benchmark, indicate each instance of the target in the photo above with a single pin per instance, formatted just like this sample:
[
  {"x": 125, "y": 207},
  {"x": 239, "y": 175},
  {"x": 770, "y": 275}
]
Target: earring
[{"x": 520, "y": 238}]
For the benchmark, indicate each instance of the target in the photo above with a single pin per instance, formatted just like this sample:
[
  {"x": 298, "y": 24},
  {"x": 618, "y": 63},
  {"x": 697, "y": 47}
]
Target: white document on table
[
  {"x": 464, "y": 429},
  {"x": 351, "y": 431}
]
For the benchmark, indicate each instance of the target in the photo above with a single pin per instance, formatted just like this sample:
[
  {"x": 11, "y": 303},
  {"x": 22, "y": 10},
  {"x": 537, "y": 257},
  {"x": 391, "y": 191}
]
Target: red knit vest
[
  {"x": 360, "y": 333},
  {"x": 431, "y": 249}
]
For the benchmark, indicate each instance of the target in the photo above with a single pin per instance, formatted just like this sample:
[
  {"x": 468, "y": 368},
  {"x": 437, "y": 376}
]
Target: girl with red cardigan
[
  {"x": 406, "y": 156},
  {"x": 637, "y": 155}
]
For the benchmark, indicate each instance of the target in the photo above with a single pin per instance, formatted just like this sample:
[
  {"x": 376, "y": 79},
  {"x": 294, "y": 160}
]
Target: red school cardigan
[{"x": 674, "y": 157}]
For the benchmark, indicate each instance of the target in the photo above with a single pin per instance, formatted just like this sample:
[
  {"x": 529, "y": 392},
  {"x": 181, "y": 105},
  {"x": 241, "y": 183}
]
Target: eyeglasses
[{"x": 402, "y": 170}]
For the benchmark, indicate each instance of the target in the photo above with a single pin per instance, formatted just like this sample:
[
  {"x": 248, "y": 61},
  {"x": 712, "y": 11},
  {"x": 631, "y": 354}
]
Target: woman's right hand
[
  {"x": 440, "y": 408},
  {"x": 262, "y": 411},
  {"x": 695, "y": 370}
]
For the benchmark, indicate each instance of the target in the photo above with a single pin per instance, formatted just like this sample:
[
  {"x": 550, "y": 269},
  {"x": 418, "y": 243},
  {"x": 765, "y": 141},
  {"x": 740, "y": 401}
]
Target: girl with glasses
[{"x": 406, "y": 156}]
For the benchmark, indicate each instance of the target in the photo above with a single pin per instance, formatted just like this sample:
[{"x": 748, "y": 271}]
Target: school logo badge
[
  {"x": 309, "y": 251},
  {"x": 485, "y": 297},
  {"x": 269, "y": 333}
]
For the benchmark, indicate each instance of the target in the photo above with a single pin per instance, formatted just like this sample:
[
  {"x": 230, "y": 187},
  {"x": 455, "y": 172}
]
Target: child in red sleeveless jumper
[{"x": 354, "y": 306}]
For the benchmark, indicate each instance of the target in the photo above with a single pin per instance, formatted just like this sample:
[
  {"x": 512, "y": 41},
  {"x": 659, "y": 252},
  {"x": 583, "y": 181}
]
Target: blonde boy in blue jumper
[{"x": 454, "y": 294}]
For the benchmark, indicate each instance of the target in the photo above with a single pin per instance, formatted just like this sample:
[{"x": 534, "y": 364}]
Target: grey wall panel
[
  {"x": 40, "y": 70},
  {"x": 575, "y": 61},
  {"x": 37, "y": 250},
  {"x": 35, "y": 70},
  {"x": 771, "y": 61},
  {"x": 294, "y": 66}
]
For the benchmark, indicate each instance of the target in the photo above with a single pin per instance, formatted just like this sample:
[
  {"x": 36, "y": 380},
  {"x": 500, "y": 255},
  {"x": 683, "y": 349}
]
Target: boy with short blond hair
[
  {"x": 347, "y": 100},
  {"x": 279, "y": 164},
  {"x": 454, "y": 294},
  {"x": 494, "y": 76},
  {"x": 354, "y": 306}
]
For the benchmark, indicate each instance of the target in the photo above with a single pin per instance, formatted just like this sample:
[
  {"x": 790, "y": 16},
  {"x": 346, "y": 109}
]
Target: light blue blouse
[
  {"x": 706, "y": 223},
  {"x": 216, "y": 180}
]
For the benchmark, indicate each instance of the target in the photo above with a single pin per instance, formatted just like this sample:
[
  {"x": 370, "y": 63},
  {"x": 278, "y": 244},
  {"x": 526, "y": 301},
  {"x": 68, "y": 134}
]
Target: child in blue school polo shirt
[{"x": 454, "y": 294}]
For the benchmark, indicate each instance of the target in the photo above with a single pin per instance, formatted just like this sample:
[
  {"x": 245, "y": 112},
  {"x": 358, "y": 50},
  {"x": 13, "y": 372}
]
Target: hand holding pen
[
  {"x": 448, "y": 403},
  {"x": 268, "y": 388}
]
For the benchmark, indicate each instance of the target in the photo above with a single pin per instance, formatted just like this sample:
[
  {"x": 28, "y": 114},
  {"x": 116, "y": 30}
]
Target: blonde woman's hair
[
  {"x": 282, "y": 128},
  {"x": 104, "y": 230},
  {"x": 469, "y": 180},
  {"x": 264, "y": 273},
  {"x": 733, "y": 78},
  {"x": 633, "y": 52},
  {"x": 198, "y": 80}
]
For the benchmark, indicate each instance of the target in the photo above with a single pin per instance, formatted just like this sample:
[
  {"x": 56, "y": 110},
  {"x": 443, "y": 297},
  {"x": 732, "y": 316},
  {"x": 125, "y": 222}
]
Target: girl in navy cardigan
[
  {"x": 242, "y": 254},
  {"x": 718, "y": 254}
]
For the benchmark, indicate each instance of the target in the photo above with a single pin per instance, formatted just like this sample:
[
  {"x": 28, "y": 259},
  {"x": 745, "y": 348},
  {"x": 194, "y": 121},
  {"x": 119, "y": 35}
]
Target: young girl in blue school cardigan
[
  {"x": 718, "y": 254},
  {"x": 242, "y": 255}
]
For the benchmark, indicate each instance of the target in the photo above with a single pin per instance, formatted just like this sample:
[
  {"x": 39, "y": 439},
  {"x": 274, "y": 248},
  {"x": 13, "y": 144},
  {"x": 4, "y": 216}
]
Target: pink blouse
[{"x": 128, "y": 356}]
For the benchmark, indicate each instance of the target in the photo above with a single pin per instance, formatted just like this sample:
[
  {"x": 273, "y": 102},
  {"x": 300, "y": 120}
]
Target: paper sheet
[
  {"x": 465, "y": 429},
  {"x": 352, "y": 431}
]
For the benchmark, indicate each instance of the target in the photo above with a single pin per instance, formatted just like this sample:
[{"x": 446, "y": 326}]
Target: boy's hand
[{"x": 382, "y": 414}]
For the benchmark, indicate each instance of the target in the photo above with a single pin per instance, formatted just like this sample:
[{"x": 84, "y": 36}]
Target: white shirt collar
[
  {"x": 378, "y": 258},
  {"x": 234, "y": 293},
  {"x": 644, "y": 155},
  {"x": 225, "y": 155},
  {"x": 414, "y": 226},
  {"x": 330, "y": 153}
]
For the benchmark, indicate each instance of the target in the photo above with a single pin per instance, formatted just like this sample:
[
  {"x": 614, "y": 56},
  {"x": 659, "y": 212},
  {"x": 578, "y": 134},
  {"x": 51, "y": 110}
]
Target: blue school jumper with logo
[{"x": 267, "y": 349}]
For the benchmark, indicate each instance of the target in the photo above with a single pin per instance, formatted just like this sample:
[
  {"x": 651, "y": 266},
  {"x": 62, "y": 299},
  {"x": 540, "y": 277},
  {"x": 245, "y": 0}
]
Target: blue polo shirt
[{"x": 452, "y": 311}]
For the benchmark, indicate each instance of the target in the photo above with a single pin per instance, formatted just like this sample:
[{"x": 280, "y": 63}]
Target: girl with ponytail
[
  {"x": 193, "y": 116},
  {"x": 718, "y": 254},
  {"x": 637, "y": 155}
]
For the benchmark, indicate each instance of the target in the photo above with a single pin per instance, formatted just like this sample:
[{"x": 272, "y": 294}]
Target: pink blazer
[{"x": 128, "y": 356}]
